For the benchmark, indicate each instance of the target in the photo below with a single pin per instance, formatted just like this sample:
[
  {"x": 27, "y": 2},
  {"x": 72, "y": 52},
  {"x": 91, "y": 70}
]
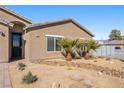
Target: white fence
[{"x": 109, "y": 51}]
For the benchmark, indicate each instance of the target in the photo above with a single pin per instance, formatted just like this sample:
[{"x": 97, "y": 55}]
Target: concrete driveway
[{"x": 4, "y": 76}]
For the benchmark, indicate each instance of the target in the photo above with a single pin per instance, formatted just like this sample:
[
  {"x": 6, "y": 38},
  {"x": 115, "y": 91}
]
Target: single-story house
[
  {"x": 20, "y": 38},
  {"x": 111, "y": 48}
]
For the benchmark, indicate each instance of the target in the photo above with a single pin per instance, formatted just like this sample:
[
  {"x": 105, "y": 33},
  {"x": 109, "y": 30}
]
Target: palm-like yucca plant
[
  {"x": 90, "y": 45},
  {"x": 80, "y": 44},
  {"x": 69, "y": 46},
  {"x": 73, "y": 46}
]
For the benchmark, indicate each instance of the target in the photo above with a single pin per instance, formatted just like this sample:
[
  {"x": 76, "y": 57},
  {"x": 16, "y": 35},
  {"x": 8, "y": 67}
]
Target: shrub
[
  {"x": 69, "y": 45},
  {"x": 81, "y": 47},
  {"x": 29, "y": 78},
  {"x": 21, "y": 66}
]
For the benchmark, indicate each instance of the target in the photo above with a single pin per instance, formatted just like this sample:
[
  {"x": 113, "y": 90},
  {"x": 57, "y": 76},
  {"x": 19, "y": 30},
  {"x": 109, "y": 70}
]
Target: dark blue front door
[{"x": 16, "y": 45}]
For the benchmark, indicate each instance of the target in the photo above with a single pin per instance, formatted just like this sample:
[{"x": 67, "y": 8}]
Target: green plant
[
  {"x": 116, "y": 35},
  {"x": 80, "y": 47},
  {"x": 21, "y": 66},
  {"x": 77, "y": 48},
  {"x": 90, "y": 45},
  {"x": 69, "y": 46},
  {"x": 29, "y": 78}
]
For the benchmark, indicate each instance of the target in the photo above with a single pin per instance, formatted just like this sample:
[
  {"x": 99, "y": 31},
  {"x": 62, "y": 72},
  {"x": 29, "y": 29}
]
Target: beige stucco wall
[
  {"x": 27, "y": 45},
  {"x": 38, "y": 40},
  {"x": 10, "y": 17},
  {"x": 4, "y": 44},
  {"x": 35, "y": 45}
]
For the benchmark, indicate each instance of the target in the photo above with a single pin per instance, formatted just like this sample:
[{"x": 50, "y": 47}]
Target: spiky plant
[
  {"x": 80, "y": 46},
  {"x": 29, "y": 78},
  {"x": 69, "y": 46},
  {"x": 21, "y": 66},
  {"x": 90, "y": 45}
]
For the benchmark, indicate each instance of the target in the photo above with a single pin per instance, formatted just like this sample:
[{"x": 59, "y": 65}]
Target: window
[
  {"x": 52, "y": 44},
  {"x": 16, "y": 40},
  {"x": 117, "y": 47},
  {"x": 58, "y": 48}
]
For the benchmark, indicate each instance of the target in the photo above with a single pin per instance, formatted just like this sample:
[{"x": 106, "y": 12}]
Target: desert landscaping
[
  {"x": 56, "y": 73},
  {"x": 76, "y": 69}
]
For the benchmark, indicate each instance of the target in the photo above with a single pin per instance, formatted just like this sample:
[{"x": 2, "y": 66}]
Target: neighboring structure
[
  {"x": 114, "y": 49},
  {"x": 19, "y": 38}
]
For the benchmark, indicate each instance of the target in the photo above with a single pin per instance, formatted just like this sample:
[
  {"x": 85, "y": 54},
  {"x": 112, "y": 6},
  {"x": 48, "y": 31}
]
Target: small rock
[
  {"x": 99, "y": 73},
  {"x": 56, "y": 85},
  {"x": 87, "y": 83}
]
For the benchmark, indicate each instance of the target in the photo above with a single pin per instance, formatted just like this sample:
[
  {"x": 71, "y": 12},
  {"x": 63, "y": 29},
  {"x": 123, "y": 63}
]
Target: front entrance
[{"x": 16, "y": 45}]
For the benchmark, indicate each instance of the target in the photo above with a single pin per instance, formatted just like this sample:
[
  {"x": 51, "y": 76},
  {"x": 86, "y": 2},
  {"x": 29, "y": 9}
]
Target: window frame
[
  {"x": 54, "y": 36},
  {"x": 47, "y": 45}
]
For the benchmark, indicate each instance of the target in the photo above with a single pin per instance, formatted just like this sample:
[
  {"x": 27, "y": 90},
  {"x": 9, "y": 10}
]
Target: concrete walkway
[{"x": 4, "y": 76}]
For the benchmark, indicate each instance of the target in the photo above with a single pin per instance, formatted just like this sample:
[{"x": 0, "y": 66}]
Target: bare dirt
[{"x": 67, "y": 77}]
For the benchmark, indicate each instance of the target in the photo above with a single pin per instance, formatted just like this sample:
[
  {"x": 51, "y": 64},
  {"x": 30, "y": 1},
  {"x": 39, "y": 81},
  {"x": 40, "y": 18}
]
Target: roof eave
[
  {"x": 15, "y": 14},
  {"x": 86, "y": 30},
  {"x": 67, "y": 20}
]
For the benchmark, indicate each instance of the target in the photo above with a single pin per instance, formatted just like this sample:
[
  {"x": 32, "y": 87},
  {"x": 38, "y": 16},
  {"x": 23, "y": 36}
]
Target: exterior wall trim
[
  {"x": 47, "y": 35},
  {"x": 82, "y": 38}
]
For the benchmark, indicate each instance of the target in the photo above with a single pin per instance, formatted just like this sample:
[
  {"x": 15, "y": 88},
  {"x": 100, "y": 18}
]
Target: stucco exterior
[
  {"x": 33, "y": 37},
  {"x": 38, "y": 44},
  {"x": 4, "y": 44},
  {"x": 5, "y": 40}
]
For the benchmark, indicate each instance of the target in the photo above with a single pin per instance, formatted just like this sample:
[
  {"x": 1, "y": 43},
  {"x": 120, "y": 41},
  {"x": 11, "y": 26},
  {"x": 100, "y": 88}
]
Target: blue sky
[{"x": 100, "y": 20}]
